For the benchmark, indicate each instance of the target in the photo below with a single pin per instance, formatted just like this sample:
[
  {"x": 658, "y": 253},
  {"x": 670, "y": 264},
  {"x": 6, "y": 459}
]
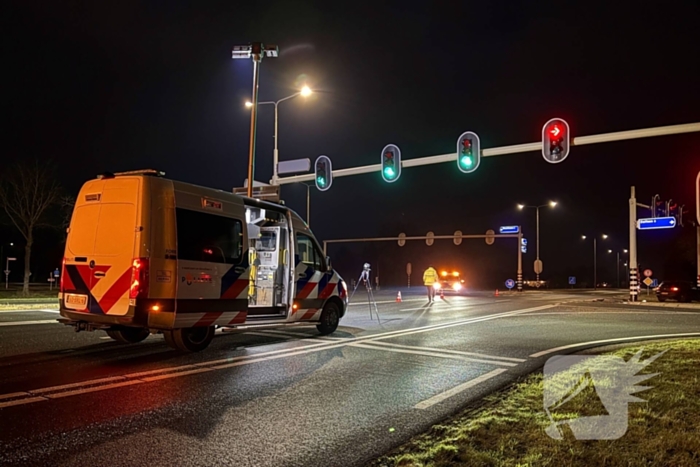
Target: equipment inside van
[{"x": 146, "y": 254}]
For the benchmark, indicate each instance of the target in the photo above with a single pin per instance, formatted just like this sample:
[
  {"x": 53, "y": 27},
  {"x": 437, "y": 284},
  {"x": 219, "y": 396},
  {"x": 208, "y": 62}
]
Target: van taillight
[
  {"x": 139, "y": 278},
  {"x": 63, "y": 273}
]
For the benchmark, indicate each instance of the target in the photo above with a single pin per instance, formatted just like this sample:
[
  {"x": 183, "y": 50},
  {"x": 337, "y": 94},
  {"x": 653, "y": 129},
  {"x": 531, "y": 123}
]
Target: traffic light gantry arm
[{"x": 504, "y": 150}]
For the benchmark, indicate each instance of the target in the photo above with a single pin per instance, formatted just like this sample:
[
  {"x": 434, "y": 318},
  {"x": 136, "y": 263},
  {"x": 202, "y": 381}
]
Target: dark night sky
[{"x": 115, "y": 86}]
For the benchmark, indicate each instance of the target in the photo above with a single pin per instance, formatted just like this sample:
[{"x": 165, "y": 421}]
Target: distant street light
[
  {"x": 538, "y": 268},
  {"x": 305, "y": 91},
  {"x": 617, "y": 266},
  {"x": 595, "y": 259}
]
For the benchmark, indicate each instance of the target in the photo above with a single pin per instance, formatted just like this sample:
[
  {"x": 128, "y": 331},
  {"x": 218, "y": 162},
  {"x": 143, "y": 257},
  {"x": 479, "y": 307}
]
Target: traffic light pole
[
  {"x": 504, "y": 150},
  {"x": 634, "y": 287},
  {"x": 520, "y": 261}
]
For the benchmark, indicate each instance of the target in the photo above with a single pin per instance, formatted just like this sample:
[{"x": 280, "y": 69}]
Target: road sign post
[
  {"x": 7, "y": 271},
  {"x": 409, "y": 269}
]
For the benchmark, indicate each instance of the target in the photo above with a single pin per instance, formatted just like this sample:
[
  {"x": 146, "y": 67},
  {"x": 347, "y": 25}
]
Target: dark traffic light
[
  {"x": 468, "y": 152},
  {"x": 555, "y": 140},
  {"x": 324, "y": 173},
  {"x": 391, "y": 163}
]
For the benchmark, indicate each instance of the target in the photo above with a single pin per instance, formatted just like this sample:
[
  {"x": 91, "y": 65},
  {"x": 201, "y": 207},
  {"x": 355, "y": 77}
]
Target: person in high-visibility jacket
[{"x": 430, "y": 277}]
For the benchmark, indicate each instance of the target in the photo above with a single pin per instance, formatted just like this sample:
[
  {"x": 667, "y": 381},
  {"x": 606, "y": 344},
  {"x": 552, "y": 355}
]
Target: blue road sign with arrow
[
  {"x": 509, "y": 229},
  {"x": 510, "y": 283},
  {"x": 572, "y": 280},
  {"x": 652, "y": 223}
]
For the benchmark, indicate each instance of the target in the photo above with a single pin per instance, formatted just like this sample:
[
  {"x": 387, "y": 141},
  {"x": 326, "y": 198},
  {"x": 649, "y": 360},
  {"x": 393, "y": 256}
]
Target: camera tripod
[{"x": 364, "y": 278}]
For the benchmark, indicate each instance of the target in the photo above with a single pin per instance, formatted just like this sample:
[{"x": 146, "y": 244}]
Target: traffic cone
[
  {"x": 398, "y": 297},
  {"x": 442, "y": 294},
  {"x": 496, "y": 293}
]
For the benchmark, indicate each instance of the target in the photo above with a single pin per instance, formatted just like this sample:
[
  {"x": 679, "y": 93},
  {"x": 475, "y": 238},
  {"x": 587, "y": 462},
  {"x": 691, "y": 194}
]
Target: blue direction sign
[
  {"x": 651, "y": 223},
  {"x": 654, "y": 282},
  {"x": 509, "y": 229},
  {"x": 523, "y": 245},
  {"x": 572, "y": 280},
  {"x": 510, "y": 283},
  {"x": 56, "y": 273}
]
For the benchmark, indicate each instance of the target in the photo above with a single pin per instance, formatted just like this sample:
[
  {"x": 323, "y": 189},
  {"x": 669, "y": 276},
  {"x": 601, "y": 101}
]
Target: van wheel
[
  {"x": 128, "y": 335},
  {"x": 189, "y": 339},
  {"x": 330, "y": 318}
]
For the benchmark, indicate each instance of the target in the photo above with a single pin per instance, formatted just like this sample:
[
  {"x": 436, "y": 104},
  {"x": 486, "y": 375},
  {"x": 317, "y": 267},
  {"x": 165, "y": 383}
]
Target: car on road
[
  {"x": 450, "y": 282},
  {"x": 682, "y": 291}
]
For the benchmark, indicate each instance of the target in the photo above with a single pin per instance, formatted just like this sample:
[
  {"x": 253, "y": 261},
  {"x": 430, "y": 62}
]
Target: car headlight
[
  {"x": 457, "y": 286},
  {"x": 436, "y": 286}
]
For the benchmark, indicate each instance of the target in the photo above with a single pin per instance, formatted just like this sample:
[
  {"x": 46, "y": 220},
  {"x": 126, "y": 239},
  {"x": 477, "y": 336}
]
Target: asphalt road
[{"x": 286, "y": 397}]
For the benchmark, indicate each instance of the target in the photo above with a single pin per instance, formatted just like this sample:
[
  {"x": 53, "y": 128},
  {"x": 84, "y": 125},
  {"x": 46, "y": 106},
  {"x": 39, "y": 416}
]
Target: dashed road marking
[{"x": 457, "y": 389}]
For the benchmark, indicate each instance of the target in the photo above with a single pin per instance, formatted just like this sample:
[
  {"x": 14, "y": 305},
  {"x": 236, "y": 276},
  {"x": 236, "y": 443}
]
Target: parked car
[{"x": 682, "y": 291}]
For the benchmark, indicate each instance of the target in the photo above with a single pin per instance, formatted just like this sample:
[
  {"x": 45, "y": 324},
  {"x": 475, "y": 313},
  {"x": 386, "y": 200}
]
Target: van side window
[
  {"x": 207, "y": 237},
  {"x": 307, "y": 251}
]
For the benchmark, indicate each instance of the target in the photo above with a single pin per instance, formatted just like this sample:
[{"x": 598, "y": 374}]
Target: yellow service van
[{"x": 146, "y": 254}]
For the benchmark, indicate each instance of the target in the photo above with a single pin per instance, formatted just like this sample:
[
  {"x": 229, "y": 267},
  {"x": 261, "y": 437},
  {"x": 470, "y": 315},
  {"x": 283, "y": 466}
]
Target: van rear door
[{"x": 101, "y": 246}]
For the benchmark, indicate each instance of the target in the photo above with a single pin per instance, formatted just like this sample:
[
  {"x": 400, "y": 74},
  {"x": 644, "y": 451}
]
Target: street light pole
[
  {"x": 253, "y": 122},
  {"x": 538, "y": 268},
  {"x": 305, "y": 91},
  {"x": 595, "y": 265}
]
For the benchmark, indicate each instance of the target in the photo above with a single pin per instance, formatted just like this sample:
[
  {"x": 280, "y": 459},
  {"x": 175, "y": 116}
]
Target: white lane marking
[
  {"x": 456, "y": 352},
  {"x": 24, "y": 323},
  {"x": 262, "y": 334},
  {"x": 22, "y": 401},
  {"x": 14, "y": 394},
  {"x": 281, "y": 353},
  {"x": 58, "y": 395},
  {"x": 28, "y": 311},
  {"x": 616, "y": 312},
  {"x": 431, "y": 354},
  {"x": 175, "y": 375},
  {"x": 479, "y": 319},
  {"x": 457, "y": 389},
  {"x": 158, "y": 371},
  {"x": 388, "y": 301},
  {"x": 75, "y": 385},
  {"x": 432, "y": 307},
  {"x": 607, "y": 341},
  {"x": 285, "y": 334}
]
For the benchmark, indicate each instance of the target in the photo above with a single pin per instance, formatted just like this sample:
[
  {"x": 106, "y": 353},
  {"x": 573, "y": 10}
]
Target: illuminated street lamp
[
  {"x": 538, "y": 263},
  {"x": 595, "y": 259},
  {"x": 255, "y": 51},
  {"x": 303, "y": 92},
  {"x": 617, "y": 265}
]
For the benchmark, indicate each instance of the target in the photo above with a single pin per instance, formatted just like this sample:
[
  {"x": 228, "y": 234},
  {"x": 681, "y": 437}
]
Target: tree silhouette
[{"x": 27, "y": 189}]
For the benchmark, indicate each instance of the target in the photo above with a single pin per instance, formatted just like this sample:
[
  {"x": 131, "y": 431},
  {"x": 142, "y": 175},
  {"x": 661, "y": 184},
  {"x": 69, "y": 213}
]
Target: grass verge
[{"x": 508, "y": 429}]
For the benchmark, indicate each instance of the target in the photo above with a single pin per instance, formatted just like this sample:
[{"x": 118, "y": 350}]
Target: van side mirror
[{"x": 329, "y": 265}]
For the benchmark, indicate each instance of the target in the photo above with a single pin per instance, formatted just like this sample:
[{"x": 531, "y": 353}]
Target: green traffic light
[
  {"x": 389, "y": 172},
  {"x": 466, "y": 161},
  {"x": 321, "y": 181}
]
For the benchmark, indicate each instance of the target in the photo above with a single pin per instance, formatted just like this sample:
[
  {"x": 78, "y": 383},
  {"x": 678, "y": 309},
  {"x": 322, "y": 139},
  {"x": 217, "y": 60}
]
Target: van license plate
[{"x": 76, "y": 301}]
